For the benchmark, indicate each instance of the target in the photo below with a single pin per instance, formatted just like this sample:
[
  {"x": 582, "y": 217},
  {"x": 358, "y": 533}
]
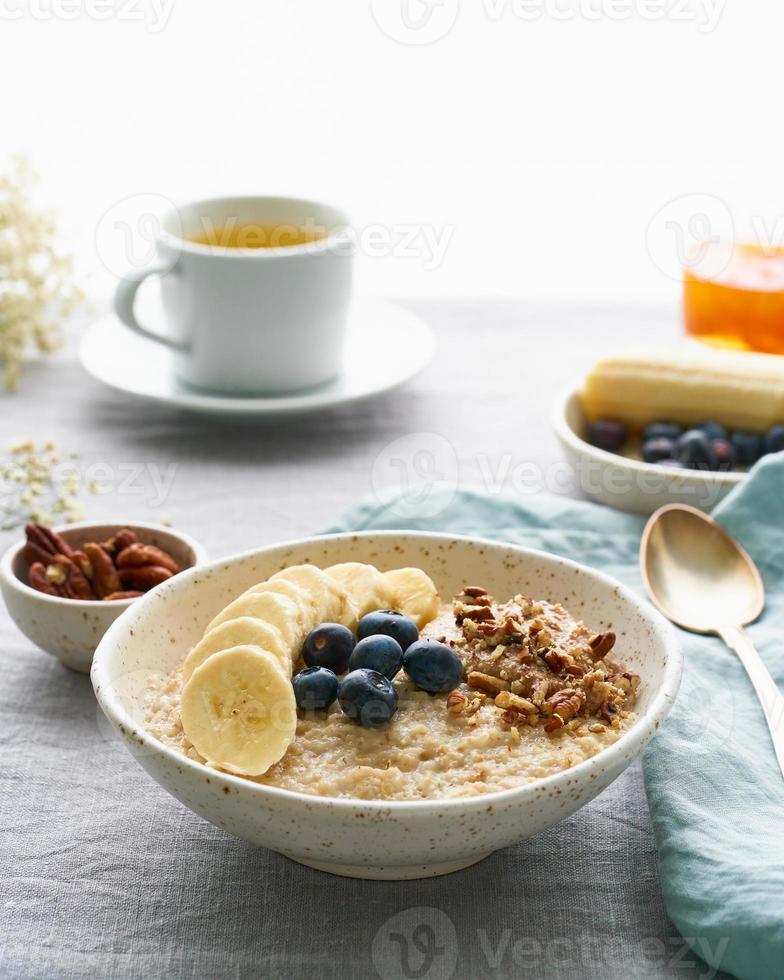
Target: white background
[{"x": 542, "y": 147}]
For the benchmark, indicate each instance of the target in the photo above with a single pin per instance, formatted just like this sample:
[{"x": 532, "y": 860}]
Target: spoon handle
[{"x": 768, "y": 693}]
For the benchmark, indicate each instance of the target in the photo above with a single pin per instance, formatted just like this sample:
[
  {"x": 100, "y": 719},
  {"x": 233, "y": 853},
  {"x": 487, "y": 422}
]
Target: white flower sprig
[
  {"x": 36, "y": 289},
  {"x": 37, "y": 484}
]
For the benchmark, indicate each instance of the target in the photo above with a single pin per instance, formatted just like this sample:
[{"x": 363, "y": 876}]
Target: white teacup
[{"x": 250, "y": 320}]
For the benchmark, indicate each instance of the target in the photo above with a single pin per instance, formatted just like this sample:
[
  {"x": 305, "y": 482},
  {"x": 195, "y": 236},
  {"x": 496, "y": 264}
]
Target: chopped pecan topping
[
  {"x": 564, "y": 705},
  {"x": 474, "y": 591},
  {"x": 480, "y": 614},
  {"x": 486, "y": 629},
  {"x": 512, "y": 626},
  {"x": 628, "y": 683},
  {"x": 541, "y": 691},
  {"x": 601, "y": 644},
  {"x": 555, "y": 661},
  {"x": 536, "y": 663},
  {"x": 456, "y": 702},
  {"x": 608, "y": 711},
  {"x": 474, "y": 705},
  {"x": 512, "y": 702},
  {"x": 485, "y": 682}
]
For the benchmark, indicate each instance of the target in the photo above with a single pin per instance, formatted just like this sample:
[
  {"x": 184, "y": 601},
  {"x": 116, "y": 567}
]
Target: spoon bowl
[
  {"x": 698, "y": 575},
  {"x": 696, "y": 572}
]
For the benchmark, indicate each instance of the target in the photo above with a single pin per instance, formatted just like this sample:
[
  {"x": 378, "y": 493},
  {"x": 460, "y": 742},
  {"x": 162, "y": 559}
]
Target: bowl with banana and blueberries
[
  {"x": 306, "y": 696},
  {"x": 684, "y": 426}
]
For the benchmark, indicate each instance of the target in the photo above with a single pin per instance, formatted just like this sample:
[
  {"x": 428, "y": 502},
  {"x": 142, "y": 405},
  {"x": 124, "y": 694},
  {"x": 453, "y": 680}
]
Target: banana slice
[
  {"x": 332, "y": 600},
  {"x": 271, "y": 607},
  {"x": 364, "y": 583},
  {"x": 304, "y": 599},
  {"x": 412, "y": 592},
  {"x": 239, "y": 632},
  {"x": 238, "y": 710}
]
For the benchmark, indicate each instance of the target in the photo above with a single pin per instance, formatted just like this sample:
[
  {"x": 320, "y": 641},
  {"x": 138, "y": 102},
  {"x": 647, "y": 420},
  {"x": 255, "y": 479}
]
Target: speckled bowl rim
[
  {"x": 630, "y": 743},
  {"x": 567, "y": 435},
  {"x": 13, "y": 581}
]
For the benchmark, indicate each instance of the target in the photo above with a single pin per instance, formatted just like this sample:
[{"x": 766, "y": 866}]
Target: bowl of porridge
[{"x": 387, "y": 705}]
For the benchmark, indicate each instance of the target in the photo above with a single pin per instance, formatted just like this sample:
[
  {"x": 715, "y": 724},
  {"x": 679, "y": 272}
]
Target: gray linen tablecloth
[{"x": 103, "y": 874}]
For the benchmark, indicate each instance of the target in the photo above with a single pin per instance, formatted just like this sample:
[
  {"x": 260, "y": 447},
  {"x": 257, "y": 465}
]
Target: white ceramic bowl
[
  {"x": 376, "y": 839},
  {"x": 71, "y": 629},
  {"x": 629, "y": 484}
]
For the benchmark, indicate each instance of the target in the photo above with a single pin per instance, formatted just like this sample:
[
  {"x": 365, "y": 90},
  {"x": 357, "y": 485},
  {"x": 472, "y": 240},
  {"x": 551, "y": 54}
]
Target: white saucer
[{"x": 385, "y": 346}]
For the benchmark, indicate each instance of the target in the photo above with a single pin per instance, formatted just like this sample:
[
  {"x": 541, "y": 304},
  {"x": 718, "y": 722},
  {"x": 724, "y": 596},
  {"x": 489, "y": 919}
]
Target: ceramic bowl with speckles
[
  {"x": 630, "y": 484},
  {"x": 70, "y": 629},
  {"x": 381, "y": 839}
]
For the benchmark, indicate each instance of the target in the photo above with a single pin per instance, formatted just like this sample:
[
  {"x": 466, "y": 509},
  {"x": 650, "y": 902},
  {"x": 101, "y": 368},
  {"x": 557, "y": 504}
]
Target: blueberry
[
  {"x": 432, "y": 666},
  {"x": 748, "y": 447},
  {"x": 695, "y": 451},
  {"x": 713, "y": 430},
  {"x": 655, "y": 450},
  {"x": 389, "y": 623},
  {"x": 662, "y": 430},
  {"x": 367, "y": 697},
  {"x": 380, "y": 653},
  {"x": 774, "y": 440},
  {"x": 315, "y": 688},
  {"x": 329, "y": 645},
  {"x": 672, "y": 464},
  {"x": 607, "y": 434},
  {"x": 725, "y": 454}
]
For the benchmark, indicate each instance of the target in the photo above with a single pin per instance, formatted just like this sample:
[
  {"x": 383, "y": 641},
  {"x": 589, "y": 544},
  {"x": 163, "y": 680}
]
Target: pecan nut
[
  {"x": 122, "y": 540},
  {"x": 138, "y": 555},
  {"x": 38, "y": 580},
  {"x": 486, "y": 682},
  {"x": 43, "y": 544},
  {"x": 143, "y": 577},
  {"x": 122, "y": 595},
  {"x": 104, "y": 575},
  {"x": 601, "y": 644},
  {"x": 63, "y": 572},
  {"x": 564, "y": 705},
  {"x": 514, "y": 703},
  {"x": 609, "y": 712},
  {"x": 456, "y": 702},
  {"x": 555, "y": 661}
]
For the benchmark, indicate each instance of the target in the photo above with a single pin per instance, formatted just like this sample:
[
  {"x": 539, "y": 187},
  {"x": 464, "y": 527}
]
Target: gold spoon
[{"x": 702, "y": 579}]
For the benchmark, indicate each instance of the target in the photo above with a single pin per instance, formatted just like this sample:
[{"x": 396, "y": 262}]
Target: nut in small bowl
[{"x": 64, "y": 587}]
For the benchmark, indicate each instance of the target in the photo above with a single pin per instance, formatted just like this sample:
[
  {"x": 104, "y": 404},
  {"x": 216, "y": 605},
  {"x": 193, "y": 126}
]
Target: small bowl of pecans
[{"x": 64, "y": 588}]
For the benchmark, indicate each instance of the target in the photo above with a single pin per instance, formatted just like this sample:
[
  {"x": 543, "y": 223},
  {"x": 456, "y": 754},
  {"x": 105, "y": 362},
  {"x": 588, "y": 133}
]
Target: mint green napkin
[{"x": 715, "y": 791}]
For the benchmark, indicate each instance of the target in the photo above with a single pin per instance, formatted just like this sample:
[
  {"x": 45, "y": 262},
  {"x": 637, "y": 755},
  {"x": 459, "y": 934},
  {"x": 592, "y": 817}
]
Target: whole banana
[{"x": 740, "y": 390}]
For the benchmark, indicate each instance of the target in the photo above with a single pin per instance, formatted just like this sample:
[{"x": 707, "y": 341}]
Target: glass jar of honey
[{"x": 733, "y": 297}]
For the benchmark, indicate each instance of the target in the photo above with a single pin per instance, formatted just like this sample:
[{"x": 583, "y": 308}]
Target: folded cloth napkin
[{"x": 714, "y": 788}]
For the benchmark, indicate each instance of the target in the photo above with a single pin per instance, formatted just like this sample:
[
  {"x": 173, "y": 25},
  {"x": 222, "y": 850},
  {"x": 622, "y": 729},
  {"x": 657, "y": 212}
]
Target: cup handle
[{"x": 125, "y": 302}]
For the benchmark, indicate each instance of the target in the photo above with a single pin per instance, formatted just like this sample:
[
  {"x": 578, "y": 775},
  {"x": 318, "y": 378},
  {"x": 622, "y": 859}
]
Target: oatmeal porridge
[{"x": 471, "y": 696}]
